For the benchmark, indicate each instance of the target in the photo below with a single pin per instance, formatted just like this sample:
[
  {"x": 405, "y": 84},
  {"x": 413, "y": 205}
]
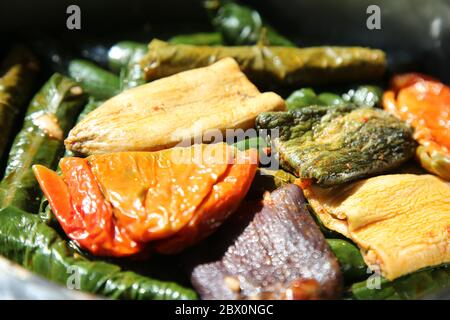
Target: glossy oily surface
[
  {"x": 113, "y": 204},
  {"x": 425, "y": 104},
  {"x": 412, "y": 211}
]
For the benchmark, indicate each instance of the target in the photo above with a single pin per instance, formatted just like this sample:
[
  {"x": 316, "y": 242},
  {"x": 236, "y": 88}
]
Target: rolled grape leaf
[
  {"x": 270, "y": 66},
  {"x": 350, "y": 259},
  {"x": 34, "y": 245},
  {"x": 17, "y": 75}
]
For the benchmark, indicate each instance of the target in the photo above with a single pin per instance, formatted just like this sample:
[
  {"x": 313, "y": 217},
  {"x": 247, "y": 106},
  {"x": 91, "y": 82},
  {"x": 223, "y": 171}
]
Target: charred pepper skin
[{"x": 337, "y": 144}]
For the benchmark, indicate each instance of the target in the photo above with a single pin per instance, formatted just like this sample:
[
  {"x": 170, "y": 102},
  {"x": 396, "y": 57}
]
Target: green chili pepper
[
  {"x": 241, "y": 25},
  {"x": 51, "y": 114},
  {"x": 413, "y": 286},
  {"x": 363, "y": 96},
  {"x": 34, "y": 245},
  {"x": 350, "y": 259},
  {"x": 97, "y": 82},
  {"x": 330, "y": 99},
  {"x": 369, "y": 96},
  {"x": 302, "y": 98},
  {"x": 132, "y": 75},
  {"x": 120, "y": 53},
  {"x": 18, "y": 73}
]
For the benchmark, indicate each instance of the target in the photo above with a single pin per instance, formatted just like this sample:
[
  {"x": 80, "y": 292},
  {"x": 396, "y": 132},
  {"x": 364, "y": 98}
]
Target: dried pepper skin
[
  {"x": 17, "y": 76},
  {"x": 424, "y": 103},
  {"x": 337, "y": 144},
  {"x": 124, "y": 204},
  {"x": 269, "y": 65}
]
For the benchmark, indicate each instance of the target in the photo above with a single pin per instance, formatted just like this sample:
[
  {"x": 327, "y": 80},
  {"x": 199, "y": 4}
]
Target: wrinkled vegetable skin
[
  {"x": 414, "y": 286},
  {"x": 60, "y": 99},
  {"x": 34, "y": 245},
  {"x": 271, "y": 65},
  {"x": 333, "y": 145},
  {"x": 241, "y": 25},
  {"x": 18, "y": 73}
]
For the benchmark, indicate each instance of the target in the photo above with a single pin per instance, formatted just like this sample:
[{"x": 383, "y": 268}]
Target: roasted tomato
[
  {"x": 121, "y": 204},
  {"x": 424, "y": 103}
]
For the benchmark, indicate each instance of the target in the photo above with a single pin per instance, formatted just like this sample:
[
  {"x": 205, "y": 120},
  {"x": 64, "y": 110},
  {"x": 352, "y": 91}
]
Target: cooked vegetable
[
  {"x": 241, "y": 25},
  {"x": 90, "y": 106},
  {"x": 198, "y": 39},
  {"x": 31, "y": 243},
  {"x": 425, "y": 104},
  {"x": 350, "y": 259},
  {"x": 119, "y": 54},
  {"x": 45, "y": 212},
  {"x": 337, "y": 144},
  {"x": 370, "y": 96},
  {"x": 400, "y": 221},
  {"x": 307, "y": 97},
  {"x": 414, "y": 286},
  {"x": 99, "y": 83},
  {"x": 177, "y": 109},
  {"x": 270, "y": 65},
  {"x": 132, "y": 75},
  {"x": 280, "y": 253},
  {"x": 268, "y": 180},
  {"x": 363, "y": 96},
  {"x": 171, "y": 196},
  {"x": 49, "y": 117},
  {"x": 17, "y": 75}
]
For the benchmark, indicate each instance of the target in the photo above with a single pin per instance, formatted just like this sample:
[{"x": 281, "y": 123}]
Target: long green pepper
[
  {"x": 36, "y": 246},
  {"x": 50, "y": 116},
  {"x": 18, "y": 73}
]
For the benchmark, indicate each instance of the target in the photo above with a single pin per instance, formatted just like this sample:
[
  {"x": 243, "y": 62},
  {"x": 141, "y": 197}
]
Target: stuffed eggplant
[{"x": 174, "y": 110}]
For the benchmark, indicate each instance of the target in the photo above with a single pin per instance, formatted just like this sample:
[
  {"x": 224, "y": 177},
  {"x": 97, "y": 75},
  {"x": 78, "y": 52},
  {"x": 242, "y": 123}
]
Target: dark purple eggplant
[{"x": 280, "y": 254}]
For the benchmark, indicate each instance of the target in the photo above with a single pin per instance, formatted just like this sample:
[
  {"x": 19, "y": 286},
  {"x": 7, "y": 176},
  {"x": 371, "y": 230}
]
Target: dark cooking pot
[{"x": 415, "y": 33}]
